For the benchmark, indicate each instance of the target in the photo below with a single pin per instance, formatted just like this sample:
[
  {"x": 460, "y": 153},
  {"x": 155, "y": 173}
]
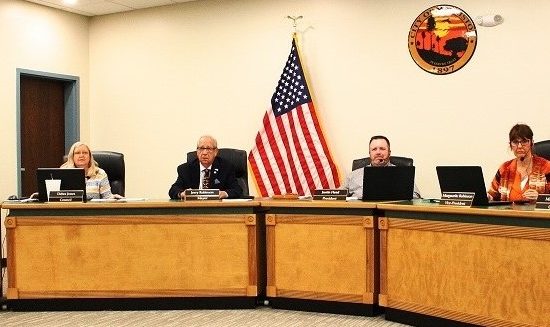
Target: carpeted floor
[{"x": 254, "y": 317}]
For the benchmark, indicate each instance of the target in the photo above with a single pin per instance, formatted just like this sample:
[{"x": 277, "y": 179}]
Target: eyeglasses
[
  {"x": 522, "y": 142},
  {"x": 204, "y": 149}
]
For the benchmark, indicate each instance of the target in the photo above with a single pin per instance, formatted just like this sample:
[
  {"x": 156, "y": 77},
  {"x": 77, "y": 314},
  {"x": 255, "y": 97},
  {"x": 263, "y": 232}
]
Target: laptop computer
[
  {"x": 71, "y": 179},
  {"x": 465, "y": 179},
  {"x": 388, "y": 183}
]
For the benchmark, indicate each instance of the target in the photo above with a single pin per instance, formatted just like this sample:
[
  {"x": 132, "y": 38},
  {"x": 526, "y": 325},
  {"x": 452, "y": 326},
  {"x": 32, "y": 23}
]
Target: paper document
[
  {"x": 132, "y": 199},
  {"x": 119, "y": 200},
  {"x": 23, "y": 200}
]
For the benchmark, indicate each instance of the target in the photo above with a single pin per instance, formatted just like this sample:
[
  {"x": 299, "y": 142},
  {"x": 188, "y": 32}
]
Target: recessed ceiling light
[{"x": 70, "y": 2}]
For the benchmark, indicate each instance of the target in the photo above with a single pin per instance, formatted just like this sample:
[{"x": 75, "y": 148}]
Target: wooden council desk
[
  {"x": 424, "y": 263},
  {"x": 189, "y": 254},
  {"x": 322, "y": 256},
  {"x": 482, "y": 266}
]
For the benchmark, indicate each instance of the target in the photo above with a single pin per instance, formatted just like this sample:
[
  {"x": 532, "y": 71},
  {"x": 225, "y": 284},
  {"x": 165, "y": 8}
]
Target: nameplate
[
  {"x": 66, "y": 196},
  {"x": 330, "y": 195},
  {"x": 201, "y": 195},
  {"x": 460, "y": 199},
  {"x": 543, "y": 202}
]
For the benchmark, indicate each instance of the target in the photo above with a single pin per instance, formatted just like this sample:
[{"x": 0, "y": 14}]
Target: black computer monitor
[
  {"x": 465, "y": 179},
  {"x": 388, "y": 183},
  {"x": 71, "y": 179}
]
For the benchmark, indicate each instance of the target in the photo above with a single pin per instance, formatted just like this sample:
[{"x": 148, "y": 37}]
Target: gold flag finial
[{"x": 294, "y": 19}]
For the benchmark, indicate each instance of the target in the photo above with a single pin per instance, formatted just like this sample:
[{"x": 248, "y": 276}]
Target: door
[{"x": 42, "y": 127}]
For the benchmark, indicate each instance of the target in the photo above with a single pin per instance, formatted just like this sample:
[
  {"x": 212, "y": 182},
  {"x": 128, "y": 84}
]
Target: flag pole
[
  {"x": 290, "y": 153},
  {"x": 306, "y": 75}
]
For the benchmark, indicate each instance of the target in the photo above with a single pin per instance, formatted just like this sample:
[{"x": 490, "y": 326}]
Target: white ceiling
[{"x": 103, "y": 7}]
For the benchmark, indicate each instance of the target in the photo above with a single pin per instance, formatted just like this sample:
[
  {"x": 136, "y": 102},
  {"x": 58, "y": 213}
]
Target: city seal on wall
[{"x": 442, "y": 39}]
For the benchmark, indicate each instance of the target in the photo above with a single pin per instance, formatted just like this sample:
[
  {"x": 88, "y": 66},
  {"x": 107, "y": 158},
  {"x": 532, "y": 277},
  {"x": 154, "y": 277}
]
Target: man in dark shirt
[{"x": 207, "y": 171}]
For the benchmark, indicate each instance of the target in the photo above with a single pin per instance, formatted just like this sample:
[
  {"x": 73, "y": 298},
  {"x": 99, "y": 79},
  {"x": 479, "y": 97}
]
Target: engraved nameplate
[
  {"x": 543, "y": 202},
  {"x": 330, "y": 195},
  {"x": 461, "y": 199},
  {"x": 201, "y": 195},
  {"x": 66, "y": 196}
]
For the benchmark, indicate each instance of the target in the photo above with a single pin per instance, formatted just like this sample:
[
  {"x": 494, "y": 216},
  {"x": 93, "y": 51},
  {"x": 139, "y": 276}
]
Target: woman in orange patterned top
[{"x": 524, "y": 177}]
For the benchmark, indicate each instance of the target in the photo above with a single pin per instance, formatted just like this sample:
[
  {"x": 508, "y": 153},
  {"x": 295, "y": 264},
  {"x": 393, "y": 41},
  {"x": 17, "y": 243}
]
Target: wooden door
[{"x": 42, "y": 127}]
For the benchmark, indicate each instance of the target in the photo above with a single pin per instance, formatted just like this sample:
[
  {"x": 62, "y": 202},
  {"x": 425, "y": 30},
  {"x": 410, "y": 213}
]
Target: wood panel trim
[
  {"x": 368, "y": 222},
  {"x": 317, "y": 204},
  {"x": 270, "y": 255},
  {"x": 383, "y": 300},
  {"x": 490, "y": 211},
  {"x": 12, "y": 293},
  {"x": 270, "y": 220},
  {"x": 453, "y": 315},
  {"x": 252, "y": 261},
  {"x": 369, "y": 298},
  {"x": 148, "y": 204},
  {"x": 321, "y": 220},
  {"x": 383, "y": 294},
  {"x": 370, "y": 279},
  {"x": 252, "y": 290},
  {"x": 382, "y": 223},
  {"x": 10, "y": 222},
  {"x": 10, "y": 257},
  {"x": 271, "y": 291},
  {"x": 532, "y": 233},
  {"x": 134, "y": 293},
  {"x": 338, "y": 297},
  {"x": 365, "y": 221},
  {"x": 122, "y": 219},
  {"x": 250, "y": 220}
]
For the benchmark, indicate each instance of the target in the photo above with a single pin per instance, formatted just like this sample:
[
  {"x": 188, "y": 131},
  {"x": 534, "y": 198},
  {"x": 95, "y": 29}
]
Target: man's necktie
[{"x": 206, "y": 179}]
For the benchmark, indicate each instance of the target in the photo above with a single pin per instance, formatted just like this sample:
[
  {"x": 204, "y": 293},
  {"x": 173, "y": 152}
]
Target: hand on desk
[{"x": 531, "y": 194}]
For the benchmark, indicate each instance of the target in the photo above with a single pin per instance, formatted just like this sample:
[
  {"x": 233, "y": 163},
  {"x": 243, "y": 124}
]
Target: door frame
[{"x": 72, "y": 110}]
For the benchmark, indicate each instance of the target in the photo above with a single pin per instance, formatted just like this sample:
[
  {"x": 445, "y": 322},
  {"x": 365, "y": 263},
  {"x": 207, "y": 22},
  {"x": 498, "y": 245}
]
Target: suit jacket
[{"x": 222, "y": 176}]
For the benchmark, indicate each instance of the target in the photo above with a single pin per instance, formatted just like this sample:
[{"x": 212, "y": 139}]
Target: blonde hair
[{"x": 92, "y": 165}]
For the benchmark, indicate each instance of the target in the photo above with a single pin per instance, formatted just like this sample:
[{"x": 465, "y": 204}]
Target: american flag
[{"x": 290, "y": 153}]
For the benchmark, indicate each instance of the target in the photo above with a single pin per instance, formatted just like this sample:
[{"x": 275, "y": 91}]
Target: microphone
[{"x": 521, "y": 158}]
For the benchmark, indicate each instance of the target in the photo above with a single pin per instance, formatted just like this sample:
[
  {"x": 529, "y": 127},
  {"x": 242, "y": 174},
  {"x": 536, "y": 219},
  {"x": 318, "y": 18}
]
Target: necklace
[{"x": 525, "y": 171}]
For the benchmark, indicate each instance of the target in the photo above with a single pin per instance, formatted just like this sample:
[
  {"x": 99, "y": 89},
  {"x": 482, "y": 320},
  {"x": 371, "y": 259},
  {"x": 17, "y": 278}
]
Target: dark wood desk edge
[
  {"x": 267, "y": 203},
  {"x": 478, "y": 211},
  {"x": 263, "y": 205},
  {"x": 150, "y": 204}
]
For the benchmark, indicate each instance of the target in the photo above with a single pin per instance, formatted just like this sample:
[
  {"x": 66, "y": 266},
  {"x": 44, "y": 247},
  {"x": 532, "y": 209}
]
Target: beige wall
[
  {"x": 161, "y": 77},
  {"x": 43, "y": 39}
]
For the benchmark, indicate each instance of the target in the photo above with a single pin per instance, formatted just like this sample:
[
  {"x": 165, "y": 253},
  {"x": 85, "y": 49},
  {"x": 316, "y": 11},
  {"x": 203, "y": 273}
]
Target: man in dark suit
[{"x": 206, "y": 172}]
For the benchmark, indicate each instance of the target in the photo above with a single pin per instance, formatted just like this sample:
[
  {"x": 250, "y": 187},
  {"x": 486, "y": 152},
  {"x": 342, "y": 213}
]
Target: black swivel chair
[
  {"x": 542, "y": 149},
  {"x": 113, "y": 164},
  {"x": 398, "y": 161},
  {"x": 237, "y": 158}
]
